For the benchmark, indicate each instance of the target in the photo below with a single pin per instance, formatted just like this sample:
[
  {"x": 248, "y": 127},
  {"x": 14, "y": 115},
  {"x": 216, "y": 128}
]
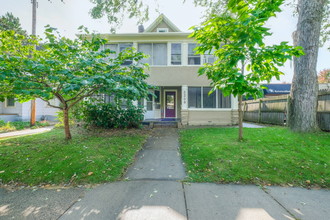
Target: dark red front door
[{"x": 170, "y": 107}]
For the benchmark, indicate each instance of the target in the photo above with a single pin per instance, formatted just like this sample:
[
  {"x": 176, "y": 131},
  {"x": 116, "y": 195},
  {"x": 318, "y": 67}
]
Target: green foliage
[
  {"x": 19, "y": 125},
  {"x": 91, "y": 157},
  {"x": 114, "y": 11},
  {"x": 60, "y": 119},
  {"x": 237, "y": 37},
  {"x": 271, "y": 155},
  {"x": 69, "y": 70},
  {"x": 10, "y": 22},
  {"x": 324, "y": 76},
  {"x": 109, "y": 115}
]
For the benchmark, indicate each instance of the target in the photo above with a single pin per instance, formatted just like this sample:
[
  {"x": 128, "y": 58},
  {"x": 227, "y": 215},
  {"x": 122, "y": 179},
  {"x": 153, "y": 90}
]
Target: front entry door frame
[{"x": 176, "y": 101}]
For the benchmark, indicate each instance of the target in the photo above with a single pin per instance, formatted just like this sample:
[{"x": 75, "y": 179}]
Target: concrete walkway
[
  {"x": 26, "y": 132},
  {"x": 152, "y": 190}
]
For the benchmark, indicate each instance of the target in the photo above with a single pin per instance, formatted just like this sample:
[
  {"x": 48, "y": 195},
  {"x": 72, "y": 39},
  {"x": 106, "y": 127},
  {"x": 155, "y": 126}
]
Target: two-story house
[{"x": 182, "y": 94}]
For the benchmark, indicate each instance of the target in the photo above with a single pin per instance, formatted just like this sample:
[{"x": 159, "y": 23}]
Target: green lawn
[
  {"x": 47, "y": 158},
  {"x": 270, "y": 155}
]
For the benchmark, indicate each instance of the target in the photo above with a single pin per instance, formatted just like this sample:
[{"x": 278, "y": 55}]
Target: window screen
[
  {"x": 176, "y": 54},
  {"x": 194, "y": 97},
  {"x": 209, "y": 101},
  {"x": 159, "y": 54},
  {"x": 193, "y": 58}
]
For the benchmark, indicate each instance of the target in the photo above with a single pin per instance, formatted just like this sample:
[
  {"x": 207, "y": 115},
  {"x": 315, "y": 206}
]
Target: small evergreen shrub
[{"x": 109, "y": 115}]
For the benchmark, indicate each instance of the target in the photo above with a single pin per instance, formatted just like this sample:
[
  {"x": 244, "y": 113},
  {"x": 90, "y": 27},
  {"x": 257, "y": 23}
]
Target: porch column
[
  {"x": 184, "y": 105},
  {"x": 184, "y": 100}
]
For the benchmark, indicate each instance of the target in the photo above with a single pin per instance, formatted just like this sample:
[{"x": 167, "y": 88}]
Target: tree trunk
[
  {"x": 240, "y": 119},
  {"x": 66, "y": 124},
  {"x": 34, "y": 21},
  {"x": 304, "y": 90}
]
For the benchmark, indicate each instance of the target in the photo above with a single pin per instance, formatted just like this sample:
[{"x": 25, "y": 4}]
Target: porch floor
[
  {"x": 162, "y": 122},
  {"x": 162, "y": 119}
]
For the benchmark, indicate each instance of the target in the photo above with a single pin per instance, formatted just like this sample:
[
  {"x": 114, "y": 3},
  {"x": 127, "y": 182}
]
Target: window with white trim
[
  {"x": 209, "y": 99},
  {"x": 209, "y": 57},
  {"x": 194, "y": 97},
  {"x": 157, "y": 53},
  {"x": 150, "y": 106},
  {"x": 10, "y": 102},
  {"x": 224, "y": 101},
  {"x": 122, "y": 47},
  {"x": 153, "y": 101},
  {"x": 199, "y": 97},
  {"x": 162, "y": 30},
  {"x": 112, "y": 47},
  {"x": 176, "y": 53},
  {"x": 193, "y": 58},
  {"x": 117, "y": 48}
]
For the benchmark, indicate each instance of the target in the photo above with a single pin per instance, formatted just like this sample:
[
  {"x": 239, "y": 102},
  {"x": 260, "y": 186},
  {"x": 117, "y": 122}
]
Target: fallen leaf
[{"x": 90, "y": 173}]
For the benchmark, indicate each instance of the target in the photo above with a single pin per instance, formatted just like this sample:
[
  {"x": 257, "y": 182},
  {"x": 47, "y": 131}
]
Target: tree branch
[{"x": 48, "y": 103}]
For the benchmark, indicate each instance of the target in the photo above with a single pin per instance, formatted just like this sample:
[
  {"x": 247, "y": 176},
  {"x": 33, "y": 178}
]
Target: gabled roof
[{"x": 162, "y": 18}]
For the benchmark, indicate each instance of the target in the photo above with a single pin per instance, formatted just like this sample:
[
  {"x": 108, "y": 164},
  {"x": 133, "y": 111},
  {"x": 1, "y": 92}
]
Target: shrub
[
  {"x": 108, "y": 115},
  {"x": 19, "y": 125},
  {"x": 5, "y": 127}
]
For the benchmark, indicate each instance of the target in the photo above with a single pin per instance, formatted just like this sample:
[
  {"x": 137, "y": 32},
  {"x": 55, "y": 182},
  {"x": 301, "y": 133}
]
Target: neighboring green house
[{"x": 182, "y": 93}]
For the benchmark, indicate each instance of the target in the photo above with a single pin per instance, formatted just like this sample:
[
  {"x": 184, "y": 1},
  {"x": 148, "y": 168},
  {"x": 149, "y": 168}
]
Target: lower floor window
[
  {"x": 200, "y": 97},
  {"x": 10, "y": 102},
  {"x": 153, "y": 102}
]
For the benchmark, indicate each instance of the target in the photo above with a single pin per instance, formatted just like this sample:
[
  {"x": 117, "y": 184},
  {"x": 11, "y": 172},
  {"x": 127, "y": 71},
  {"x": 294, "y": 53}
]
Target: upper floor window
[
  {"x": 209, "y": 57},
  {"x": 123, "y": 47},
  {"x": 176, "y": 54},
  {"x": 157, "y": 53},
  {"x": 193, "y": 58},
  {"x": 112, "y": 47},
  {"x": 117, "y": 48},
  {"x": 162, "y": 30}
]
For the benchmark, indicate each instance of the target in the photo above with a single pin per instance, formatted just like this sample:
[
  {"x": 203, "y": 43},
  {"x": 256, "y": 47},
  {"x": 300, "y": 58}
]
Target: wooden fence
[{"x": 274, "y": 110}]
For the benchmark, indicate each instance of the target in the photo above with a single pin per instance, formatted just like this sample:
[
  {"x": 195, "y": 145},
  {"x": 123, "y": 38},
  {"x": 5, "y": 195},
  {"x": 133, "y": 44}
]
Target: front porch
[{"x": 164, "y": 106}]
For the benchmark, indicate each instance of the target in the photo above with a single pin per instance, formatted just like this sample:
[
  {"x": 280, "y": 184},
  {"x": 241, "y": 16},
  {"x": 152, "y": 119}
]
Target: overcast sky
[{"x": 68, "y": 16}]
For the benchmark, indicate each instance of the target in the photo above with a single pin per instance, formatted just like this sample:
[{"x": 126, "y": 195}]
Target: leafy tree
[
  {"x": 324, "y": 76},
  {"x": 10, "y": 22},
  {"x": 69, "y": 70},
  {"x": 115, "y": 11},
  {"x": 313, "y": 29},
  {"x": 243, "y": 60}
]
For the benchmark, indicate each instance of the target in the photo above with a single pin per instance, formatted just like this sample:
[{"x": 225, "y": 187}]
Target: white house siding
[
  {"x": 209, "y": 117},
  {"x": 42, "y": 111}
]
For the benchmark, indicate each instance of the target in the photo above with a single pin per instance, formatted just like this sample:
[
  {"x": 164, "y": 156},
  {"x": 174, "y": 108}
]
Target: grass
[
  {"x": 19, "y": 125},
  {"x": 88, "y": 158},
  {"x": 268, "y": 156}
]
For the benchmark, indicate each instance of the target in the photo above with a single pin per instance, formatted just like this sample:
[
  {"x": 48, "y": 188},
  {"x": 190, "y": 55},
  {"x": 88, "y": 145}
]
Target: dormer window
[{"x": 162, "y": 30}]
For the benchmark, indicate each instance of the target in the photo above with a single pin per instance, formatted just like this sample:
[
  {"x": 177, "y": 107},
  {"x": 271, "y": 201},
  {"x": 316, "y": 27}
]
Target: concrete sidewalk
[
  {"x": 26, "y": 132},
  {"x": 152, "y": 190}
]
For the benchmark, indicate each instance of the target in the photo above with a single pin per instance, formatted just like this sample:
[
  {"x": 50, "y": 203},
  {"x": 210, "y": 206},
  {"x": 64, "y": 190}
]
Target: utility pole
[{"x": 34, "y": 23}]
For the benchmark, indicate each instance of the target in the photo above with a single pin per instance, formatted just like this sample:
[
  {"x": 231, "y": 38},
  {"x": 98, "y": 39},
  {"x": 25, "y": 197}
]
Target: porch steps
[{"x": 160, "y": 124}]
